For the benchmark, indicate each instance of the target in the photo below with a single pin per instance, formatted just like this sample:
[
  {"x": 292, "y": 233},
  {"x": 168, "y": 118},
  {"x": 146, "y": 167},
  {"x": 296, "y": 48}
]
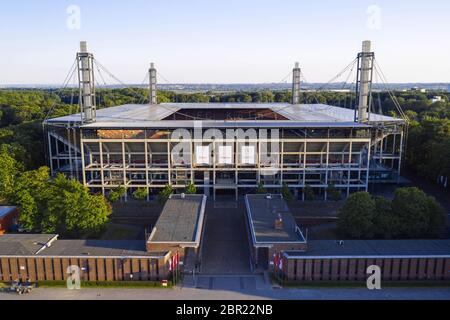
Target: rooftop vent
[{"x": 279, "y": 222}]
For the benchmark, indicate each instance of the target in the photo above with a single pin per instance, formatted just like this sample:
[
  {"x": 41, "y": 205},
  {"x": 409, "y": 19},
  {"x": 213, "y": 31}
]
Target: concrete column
[
  {"x": 152, "y": 88},
  {"x": 86, "y": 83},
  {"x": 296, "y": 84},
  {"x": 365, "y": 77}
]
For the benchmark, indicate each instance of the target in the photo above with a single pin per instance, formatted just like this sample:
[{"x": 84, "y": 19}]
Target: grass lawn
[
  {"x": 122, "y": 232},
  {"x": 107, "y": 284},
  {"x": 316, "y": 209}
]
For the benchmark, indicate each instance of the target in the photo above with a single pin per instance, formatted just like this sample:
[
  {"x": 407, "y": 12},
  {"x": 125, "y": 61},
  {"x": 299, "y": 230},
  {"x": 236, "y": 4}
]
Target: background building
[{"x": 9, "y": 217}]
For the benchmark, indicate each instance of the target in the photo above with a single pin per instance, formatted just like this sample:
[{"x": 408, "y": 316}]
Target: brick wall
[
  {"x": 92, "y": 269},
  {"x": 348, "y": 269}
]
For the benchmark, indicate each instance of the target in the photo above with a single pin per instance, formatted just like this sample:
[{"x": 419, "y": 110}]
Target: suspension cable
[
  {"x": 66, "y": 82},
  {"x": 137, "y": 94}
]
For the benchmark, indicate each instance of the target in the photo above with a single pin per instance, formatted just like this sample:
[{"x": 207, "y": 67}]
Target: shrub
[
  {"x": 333, "y": 193},
  {"x": 165, "y": 194},
  {"x": 309, "y": 193},
  {"x": 140, "y": 194},
  {"x": 287, "y": 195},
  {"x": 260, "y": 189},
  {"x": 116, "y": 194},
  {"x": 191, "y": 189}
]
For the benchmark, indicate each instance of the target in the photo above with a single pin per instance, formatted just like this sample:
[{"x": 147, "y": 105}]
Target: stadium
[{"x": 228, "y": 148}]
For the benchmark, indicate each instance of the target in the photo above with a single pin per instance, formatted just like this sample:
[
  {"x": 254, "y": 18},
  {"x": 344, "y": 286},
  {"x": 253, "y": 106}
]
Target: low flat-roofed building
[
  {"x": 180, "y": 226},
  {"x": 356, "y": 260},
  {"x": 272, "y": 228},
  {"x": 101, "y": 248},
  {"x": 40, "y": 257},
  {"x": 374, "y": 249},
  {"x": 25, "y": 244},
  {"x": 9, "y": 216}
]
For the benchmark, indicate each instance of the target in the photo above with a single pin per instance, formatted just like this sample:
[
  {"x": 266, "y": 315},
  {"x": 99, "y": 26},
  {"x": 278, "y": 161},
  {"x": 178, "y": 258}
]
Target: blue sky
[{"x": 228, "y": 41}]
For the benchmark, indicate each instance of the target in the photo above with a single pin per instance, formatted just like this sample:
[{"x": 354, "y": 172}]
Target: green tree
[
  {"x": 356, "y": 216},
  {"x": 419, "y": 214},
  {"x": 9, "y": 169},
  {"x": 191, "y": 189},
  {"x": 61, "y": 205},
  {"x": 72, "y": 211},
  {"x": 287, "y": 194},
  {"x": 140, "y": 194},
  {"x": 165, "y": 194},
  {"x": 260, "y": 188},
  {"x": 386, "y": 222},
  {"x": 31, "y": 194}
]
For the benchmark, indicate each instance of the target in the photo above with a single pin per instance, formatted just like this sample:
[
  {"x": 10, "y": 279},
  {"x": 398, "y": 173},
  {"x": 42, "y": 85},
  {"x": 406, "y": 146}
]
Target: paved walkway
[
  {"x": 225, "y": 246},
  {"x": 233, "y": 294},
  {"x": 228, "y": 282}
]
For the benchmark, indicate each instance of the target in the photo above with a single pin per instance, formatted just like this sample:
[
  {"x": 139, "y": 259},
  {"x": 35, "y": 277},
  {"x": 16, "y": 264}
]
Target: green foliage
[
  {"x": 334, "y": 193},
  {"x": 356, "y": 216},
  {"x": 140, "y": 194},
  {"x": 260, "y": 188},
  {"x": 430, "y": 152},
  {"x": 31, "y": 193},
  {"x": 191, "y": 189},
  {"x": 287, "y": 194},
  {"x": 9, "y": 169},
  {"x": 420, "y": 215},
  {"x": 309, "y": 193},
  {"x": 386, "y": 223},
  {"x": 117, "y": 194},
  {"x": 165, "y": 194},
  {"x": 411, "y": 215},
  {"x": 59, "y": 205},
  {"x": 72, "y": 210}
]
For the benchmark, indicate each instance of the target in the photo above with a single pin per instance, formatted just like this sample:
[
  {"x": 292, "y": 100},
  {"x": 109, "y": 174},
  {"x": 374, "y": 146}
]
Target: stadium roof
[{"x": 146, "y": 116}]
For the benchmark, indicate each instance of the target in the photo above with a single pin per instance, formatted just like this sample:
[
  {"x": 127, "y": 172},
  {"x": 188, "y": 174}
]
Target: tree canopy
[
  {"x": 58, "y": 205},
  {"x": 356, "y": 216},
  {"x": 410, "y": 215}
]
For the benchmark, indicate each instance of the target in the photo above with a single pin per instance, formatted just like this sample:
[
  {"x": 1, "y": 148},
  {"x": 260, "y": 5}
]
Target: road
[
  {"x": 206, "y": 294},
  {"x": 233, "y": 287}
]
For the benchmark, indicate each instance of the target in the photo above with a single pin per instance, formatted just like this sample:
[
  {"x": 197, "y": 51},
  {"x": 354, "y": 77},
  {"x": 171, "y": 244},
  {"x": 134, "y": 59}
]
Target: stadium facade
[{"x": 227, "y": 147}]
